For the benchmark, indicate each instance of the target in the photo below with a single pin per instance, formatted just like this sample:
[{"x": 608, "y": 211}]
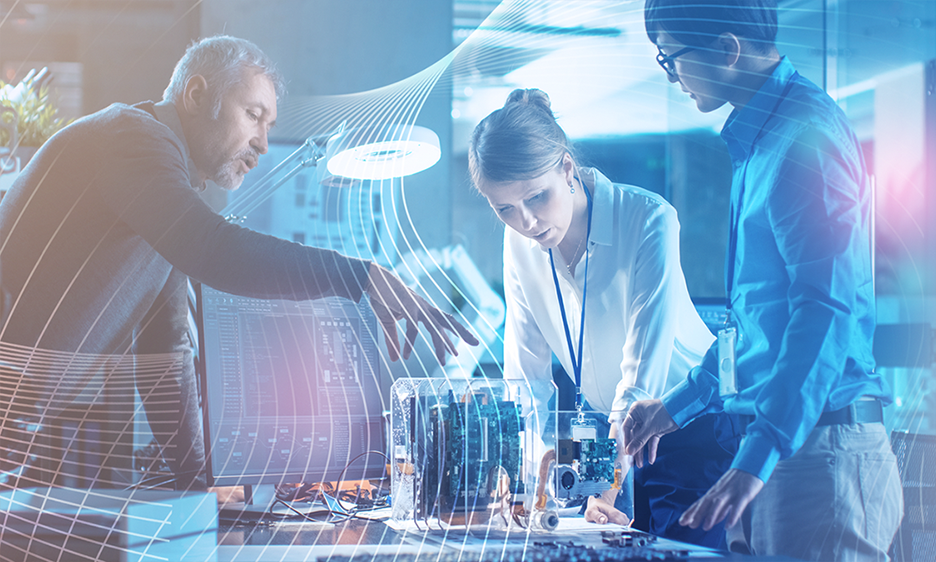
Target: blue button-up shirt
[{"x": 800, "y": 284}]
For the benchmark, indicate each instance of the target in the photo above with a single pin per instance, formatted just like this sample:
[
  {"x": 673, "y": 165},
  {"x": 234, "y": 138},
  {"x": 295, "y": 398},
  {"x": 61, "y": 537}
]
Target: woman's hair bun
[{"x": 530, "y": 96}]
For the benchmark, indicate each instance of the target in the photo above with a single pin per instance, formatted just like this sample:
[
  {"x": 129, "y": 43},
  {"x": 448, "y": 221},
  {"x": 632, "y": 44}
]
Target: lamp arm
[{"x": 310, "y": 155}]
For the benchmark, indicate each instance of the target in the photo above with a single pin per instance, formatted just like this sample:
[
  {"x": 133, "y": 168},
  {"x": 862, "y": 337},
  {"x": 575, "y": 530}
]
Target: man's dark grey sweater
[{"x": 100, "y": 233}]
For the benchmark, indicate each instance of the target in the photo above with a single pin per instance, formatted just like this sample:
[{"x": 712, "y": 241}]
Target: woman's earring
[{"x": 571, "y": 188}]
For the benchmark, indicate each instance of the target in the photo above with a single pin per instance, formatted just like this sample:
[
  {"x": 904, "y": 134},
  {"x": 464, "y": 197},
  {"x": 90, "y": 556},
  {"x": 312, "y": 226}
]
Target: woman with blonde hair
[{"x": 592, "y": 275}]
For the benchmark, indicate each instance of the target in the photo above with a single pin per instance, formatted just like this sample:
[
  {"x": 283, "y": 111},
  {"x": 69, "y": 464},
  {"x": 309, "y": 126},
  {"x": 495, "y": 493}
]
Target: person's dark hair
[
  {"x": 696, "y": 23},
  {"x": 520, "y": 141},
  {"x": 220, "y": 59}
]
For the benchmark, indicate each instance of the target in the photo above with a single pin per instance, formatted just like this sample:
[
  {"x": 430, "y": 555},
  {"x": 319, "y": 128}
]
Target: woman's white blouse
[{"x": 641, "y": 328}]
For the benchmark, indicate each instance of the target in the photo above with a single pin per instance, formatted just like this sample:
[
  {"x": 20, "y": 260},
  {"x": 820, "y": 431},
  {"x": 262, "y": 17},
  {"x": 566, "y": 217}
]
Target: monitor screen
[{"x": 292, "y": 390}]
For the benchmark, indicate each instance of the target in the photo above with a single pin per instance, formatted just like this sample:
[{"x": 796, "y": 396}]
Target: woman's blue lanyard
[
  {"x": 576, "y": 359},
  {"x": 735, "y": 218}
]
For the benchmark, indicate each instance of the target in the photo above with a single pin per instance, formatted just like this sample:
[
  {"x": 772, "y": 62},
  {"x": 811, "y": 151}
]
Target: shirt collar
[
  {"x": 744, "y": 125},
  {"x": 602, "y": 209},
  {"x": 602, "y": 226},
  {"x": 167, "y": 115}
]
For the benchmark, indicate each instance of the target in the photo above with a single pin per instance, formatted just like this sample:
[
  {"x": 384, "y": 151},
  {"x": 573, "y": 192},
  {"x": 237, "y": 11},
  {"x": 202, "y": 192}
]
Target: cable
[
  {"x": 314, "y": 492},
  {"x": 347, "y": 466},
  {"x": 307, "y": 516}
]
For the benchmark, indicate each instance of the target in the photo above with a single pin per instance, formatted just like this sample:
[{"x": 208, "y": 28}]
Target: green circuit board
[{"x": 596, "y": 459}]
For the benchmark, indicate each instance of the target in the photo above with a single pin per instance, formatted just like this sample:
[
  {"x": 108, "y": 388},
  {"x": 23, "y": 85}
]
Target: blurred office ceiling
[
  {"x": 594, "y": 59},
  {"x": 591, "y": 56}
]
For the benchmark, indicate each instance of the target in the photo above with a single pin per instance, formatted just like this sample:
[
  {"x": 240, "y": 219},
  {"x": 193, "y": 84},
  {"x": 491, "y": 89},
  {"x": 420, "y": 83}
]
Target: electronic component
[
  {"x": 477, "y": 455},
  {"x": 585, "y": 462},
  {"x": 484, "y": 452},
  {"x": 461, "y": 454},
  {"x": 549, "y": 551},
  {"x": 629, "y": 538}
]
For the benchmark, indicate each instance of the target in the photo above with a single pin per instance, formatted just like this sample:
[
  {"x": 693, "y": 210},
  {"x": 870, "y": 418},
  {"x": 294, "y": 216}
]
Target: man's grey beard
[{"x": 227, "y": 176}]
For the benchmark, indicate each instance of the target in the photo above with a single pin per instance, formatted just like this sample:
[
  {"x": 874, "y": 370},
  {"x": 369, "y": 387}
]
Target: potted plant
[
  {"x": 36, "y": 114},
  {"x": 28, "y": 117}
]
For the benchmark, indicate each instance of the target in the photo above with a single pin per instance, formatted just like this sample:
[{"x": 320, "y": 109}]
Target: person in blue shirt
[{"x": 814, "y": 477}]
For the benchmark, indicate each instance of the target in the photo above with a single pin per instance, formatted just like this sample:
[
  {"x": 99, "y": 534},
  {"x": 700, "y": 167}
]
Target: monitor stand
[{"x": 257, "y": 502}]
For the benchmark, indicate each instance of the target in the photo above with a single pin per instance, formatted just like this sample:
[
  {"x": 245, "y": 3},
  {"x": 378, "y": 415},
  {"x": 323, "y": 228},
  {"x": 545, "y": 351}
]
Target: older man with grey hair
[{"x": 105, "y": 227}]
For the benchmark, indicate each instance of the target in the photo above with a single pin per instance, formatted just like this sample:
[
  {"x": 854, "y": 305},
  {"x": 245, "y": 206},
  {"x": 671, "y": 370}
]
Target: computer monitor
[{"x": 291, "y": 390}]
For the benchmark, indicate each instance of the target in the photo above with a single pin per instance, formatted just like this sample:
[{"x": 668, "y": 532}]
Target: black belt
[{"x": 860, "y": 411}]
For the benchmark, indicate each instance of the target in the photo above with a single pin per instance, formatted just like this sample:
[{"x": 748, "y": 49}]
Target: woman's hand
[
  {"x": 646, "y": 422},
  {"x": 602, "y": 511}
]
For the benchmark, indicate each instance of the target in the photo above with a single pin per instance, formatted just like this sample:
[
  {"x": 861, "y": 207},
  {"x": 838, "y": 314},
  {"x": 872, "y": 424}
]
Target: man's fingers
[
  {"x": 735, "y": 515},
  {"x": 718, "y": 508},
  {"x": 393, "y": 301},
  {"x": 627, "y": 427},
  {"x": 635, "y": 443},
  {"x": 634, "y": 440},
  {"x": 728, "y": 498},
  {"x": 737, "y": 509},
  {"x": 444, "y": 322},
  {"x": 440, "y": 323},
  {"x": 628, "y": 435},
  {"x": 390, "y": 335},
  {"x": 412, "y": 330},
  {"x": 442, "y": 344},
  {"x": 463, "y": 332},
  {"x": 726, "y": 513},
  {"x": 654, "y": 444},
  {"x": 688, "y": 519}
]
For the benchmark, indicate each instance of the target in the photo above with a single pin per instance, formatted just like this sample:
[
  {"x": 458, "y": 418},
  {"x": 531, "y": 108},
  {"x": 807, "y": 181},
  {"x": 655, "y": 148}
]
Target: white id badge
[
  {"x": 584, "y": 428},
  {"x": 727, "y": 373}
]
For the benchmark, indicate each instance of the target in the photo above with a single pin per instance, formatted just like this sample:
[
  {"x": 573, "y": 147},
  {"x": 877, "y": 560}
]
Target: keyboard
[{"x": 618, "y": 546}]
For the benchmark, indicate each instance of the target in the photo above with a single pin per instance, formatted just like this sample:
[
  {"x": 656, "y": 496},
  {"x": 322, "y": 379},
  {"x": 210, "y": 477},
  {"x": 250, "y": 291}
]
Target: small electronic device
[
  {"x": 478, "y": 454},
  {"x": 459, "y": 452},
  {"x": 487, "y": 452},
  {"x": 585, "y": 462}
]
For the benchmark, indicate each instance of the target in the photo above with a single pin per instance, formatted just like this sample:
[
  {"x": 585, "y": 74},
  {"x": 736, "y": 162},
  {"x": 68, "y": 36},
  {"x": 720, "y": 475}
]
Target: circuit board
[
  {"x": 477, "y": 453},
  {"x": 596, "y": 459}
]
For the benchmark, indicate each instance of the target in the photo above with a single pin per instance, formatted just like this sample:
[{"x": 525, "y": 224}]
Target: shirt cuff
[
  {"x": 692, "y": 396},
  {"x": 683, "y": 403},
  {"x": 624, "y": 400},
  {"x": 757, "y": 456}
]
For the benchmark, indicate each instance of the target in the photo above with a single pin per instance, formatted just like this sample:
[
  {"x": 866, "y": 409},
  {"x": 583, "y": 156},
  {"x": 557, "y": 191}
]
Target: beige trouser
[{"x": 839, "y": 498}]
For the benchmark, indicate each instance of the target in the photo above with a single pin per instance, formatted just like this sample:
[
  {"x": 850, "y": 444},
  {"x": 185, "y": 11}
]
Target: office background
[{"x": 446, "y": 64}]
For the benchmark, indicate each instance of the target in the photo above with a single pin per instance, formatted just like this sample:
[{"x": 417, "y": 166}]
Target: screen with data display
[{"x": 291, "y": 389}]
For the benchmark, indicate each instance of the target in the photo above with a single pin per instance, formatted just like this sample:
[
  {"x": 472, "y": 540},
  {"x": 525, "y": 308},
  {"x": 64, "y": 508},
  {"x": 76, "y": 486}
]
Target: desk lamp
[{"x": 350, "y": 156}]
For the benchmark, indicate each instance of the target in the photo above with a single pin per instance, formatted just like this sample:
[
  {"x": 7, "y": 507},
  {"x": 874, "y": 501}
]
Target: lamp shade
[{"x": 384, "y": 152}]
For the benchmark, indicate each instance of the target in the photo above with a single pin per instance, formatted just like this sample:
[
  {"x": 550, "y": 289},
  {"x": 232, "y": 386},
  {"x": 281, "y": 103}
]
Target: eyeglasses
[{"x": 668, "y": 62}]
